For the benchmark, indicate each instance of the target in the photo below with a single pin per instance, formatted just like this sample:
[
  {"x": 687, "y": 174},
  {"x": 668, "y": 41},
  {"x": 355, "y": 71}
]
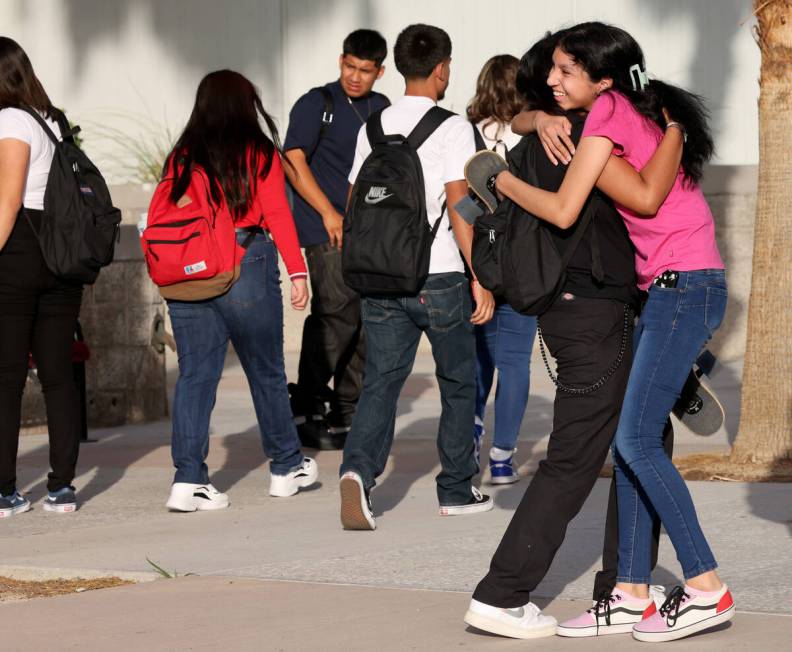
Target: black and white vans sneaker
[
  {"x": 356, "y": 513},
  {"x": 289, "y": 484},
  {"x": 14, "y": 503},
  {"x": 63, "y": 501},
  {"x": 478, "y": 502},
  {"x": 188, "y": 497}
]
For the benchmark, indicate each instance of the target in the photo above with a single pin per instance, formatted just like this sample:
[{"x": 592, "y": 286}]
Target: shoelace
[
  {"x": 603, "y": 607},
  {"x": 476, "y": 494},
  {"x": 670, "y": 608}
]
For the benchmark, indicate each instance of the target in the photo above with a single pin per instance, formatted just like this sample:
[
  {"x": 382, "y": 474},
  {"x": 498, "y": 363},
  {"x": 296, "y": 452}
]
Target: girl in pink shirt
[{"x": 600, "y": 69}]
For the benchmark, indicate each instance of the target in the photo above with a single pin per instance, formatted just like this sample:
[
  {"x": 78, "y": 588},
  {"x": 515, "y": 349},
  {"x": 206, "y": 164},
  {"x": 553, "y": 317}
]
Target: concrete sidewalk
[{"x": 433, "y": 562}]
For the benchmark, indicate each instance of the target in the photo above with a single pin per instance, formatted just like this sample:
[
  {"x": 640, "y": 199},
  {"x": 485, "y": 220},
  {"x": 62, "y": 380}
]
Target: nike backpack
[
  {"x": 387, "y": 236},
  {"x": 80, "y": 227},
  {"x": 190, "y": 248}
]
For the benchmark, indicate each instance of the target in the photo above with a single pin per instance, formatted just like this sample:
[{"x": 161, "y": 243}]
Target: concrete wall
[{"x": 126, "y": 69}]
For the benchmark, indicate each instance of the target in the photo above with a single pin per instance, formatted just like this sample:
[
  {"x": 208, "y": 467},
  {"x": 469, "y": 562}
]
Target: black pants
[
  {"x": 38, "y": 314},
  {"x": 332, "y": 343},
  {"x": 584, "y": 336}
]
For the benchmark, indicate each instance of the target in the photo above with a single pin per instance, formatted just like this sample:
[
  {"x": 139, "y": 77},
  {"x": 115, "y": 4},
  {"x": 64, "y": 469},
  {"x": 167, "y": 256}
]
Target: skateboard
[
  {"x": 698, "y": 407},
  {"x": 480, "y": 172}
]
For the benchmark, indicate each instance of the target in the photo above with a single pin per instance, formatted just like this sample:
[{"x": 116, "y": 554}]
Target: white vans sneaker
[
  {"x": 303, "y": 476},
  {"x": 527, "y": 621},
  {"x": 188, "y": 497}
]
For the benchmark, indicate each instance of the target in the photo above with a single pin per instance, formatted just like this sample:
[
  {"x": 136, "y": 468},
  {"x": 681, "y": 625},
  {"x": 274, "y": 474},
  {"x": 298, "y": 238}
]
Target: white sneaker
[
  {"x": 303, "y": 476},
  {"x": 527, "y": 621},
  {"x": 188, "y": 497},
  {"x": 356, "y": 513}
]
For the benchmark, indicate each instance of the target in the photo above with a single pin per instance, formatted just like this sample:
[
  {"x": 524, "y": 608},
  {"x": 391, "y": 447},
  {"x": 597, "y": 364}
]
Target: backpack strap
[
  {"x": 478, "y": 139},
  {"x": 427, "y": 125},
  {"x": 42, "y": 123},
  {"x": 585, "y": 219},
  {"x": 374, "y": 132},
  {"x": 327, "y": 117}
]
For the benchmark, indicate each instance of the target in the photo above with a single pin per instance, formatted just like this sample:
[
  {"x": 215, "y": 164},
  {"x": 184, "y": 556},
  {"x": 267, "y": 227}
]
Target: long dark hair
[
  {"x": 496, "y": 94},
  {"x": 19, "y": 85},
  {"x": 533, "y": 72},
  {"x": 224, "y": 137},
  {"x": 608, "y": 51}
]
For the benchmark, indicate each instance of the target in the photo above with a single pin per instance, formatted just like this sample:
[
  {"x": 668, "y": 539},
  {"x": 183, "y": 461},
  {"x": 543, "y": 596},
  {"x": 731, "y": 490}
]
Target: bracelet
[{"x": 679, "y": 126}]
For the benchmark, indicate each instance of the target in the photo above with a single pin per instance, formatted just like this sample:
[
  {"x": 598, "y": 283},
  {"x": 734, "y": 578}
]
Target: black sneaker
[
  {"x": 63, "y": 501},
  {"x": 478, "y": 502},
  {"x": 315, "y": 433}
]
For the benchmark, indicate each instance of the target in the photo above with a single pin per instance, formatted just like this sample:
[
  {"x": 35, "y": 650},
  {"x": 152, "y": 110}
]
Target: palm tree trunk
[{"x": 765, "y": 433}]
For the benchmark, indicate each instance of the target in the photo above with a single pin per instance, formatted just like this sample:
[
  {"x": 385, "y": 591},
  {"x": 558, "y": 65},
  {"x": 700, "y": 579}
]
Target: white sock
[{"x": 499, "y": 454}]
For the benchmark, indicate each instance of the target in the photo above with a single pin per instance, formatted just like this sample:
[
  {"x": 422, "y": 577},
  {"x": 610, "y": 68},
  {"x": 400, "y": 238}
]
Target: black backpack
[
  {"x": 387, "y": 238},
  {"x": 79, "y": 228},
  {"x": 514, "y": 255}
]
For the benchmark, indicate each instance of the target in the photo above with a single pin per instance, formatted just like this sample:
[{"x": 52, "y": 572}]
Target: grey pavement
[{"x": 281, "y": 574}]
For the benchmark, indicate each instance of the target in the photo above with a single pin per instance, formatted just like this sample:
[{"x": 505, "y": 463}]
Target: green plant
[
  {"x": 130, "y": 145},
  {"x": 166, "y": 574}
]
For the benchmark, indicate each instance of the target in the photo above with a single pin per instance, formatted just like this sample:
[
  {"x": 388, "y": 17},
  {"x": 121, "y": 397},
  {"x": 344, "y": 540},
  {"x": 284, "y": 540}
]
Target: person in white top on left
[
  {"x": 38, "y": 310},
  {"x": 506, "y": 342}
]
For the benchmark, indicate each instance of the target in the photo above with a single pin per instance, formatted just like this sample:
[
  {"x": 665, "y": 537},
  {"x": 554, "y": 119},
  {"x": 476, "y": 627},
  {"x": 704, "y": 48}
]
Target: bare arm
[
  {"x": 463, "y": 233},
  {"x": 645, "y": 191},
  {"x": 563, "y": 207},
  {"x": 14, "y": 160},
  {"x": 304, "y": 182},
  {"x": 554, "y": 132}
]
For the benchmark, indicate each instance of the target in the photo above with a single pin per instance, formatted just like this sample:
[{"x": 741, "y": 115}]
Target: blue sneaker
[
  {"x": 14, "y": 503},
  {"x": 62, "y": 500},
  {"x": 478, "y": 436},
  {"x": 502, "y": 471}
]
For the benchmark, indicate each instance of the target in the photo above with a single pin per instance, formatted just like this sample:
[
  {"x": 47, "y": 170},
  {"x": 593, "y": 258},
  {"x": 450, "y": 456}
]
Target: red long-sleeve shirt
[{"x": 271, "y": 211}]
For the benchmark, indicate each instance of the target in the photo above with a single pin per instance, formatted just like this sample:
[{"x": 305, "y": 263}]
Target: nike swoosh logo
[
  {"x": 378, "y": 199},
  {"x": 516, "y": 613}
]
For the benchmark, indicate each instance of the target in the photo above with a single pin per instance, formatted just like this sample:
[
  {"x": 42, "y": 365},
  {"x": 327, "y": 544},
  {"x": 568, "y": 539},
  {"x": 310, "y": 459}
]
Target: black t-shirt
[
  {"x": 616, "y": 251},
  {"x": 331, "y": 159}
]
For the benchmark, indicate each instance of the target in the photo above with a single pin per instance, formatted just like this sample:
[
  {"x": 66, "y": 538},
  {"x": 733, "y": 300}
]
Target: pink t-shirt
[{"x": 682, "y": 234}]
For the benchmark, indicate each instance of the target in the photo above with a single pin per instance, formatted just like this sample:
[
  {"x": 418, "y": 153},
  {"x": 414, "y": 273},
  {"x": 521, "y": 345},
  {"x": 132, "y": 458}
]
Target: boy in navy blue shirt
[{"x": 320, "y": 145}]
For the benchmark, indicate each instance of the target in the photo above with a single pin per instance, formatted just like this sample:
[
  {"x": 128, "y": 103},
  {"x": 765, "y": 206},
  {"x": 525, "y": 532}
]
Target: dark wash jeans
[
  {"x": 332, "y": 343},
  {"x": 584, "y": 335},
  {"x": 674, "y": 326},
  {"x": 38, "y": 313},
  {"x": 250, "y": 314},
  {"x": 393, "y": 329}
]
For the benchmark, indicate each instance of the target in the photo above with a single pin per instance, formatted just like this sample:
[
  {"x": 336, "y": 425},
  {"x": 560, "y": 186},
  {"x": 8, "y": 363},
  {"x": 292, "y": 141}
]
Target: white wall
[{"x": 134, "y": 65}]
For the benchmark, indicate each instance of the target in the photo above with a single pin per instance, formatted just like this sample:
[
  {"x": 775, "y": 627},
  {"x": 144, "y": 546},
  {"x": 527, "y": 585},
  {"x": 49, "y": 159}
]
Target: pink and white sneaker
[
  {"x": 685, "y": 612},
  {"x": 616, "y": 613}
]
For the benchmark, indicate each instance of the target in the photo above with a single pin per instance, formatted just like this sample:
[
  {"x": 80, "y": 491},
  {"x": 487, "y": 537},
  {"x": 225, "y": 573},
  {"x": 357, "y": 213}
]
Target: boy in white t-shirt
[{"x": 442, "y": 309}]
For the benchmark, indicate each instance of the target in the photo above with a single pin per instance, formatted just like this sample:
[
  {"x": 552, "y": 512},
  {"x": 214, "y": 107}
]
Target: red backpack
[{"x": 190, "y": 247}]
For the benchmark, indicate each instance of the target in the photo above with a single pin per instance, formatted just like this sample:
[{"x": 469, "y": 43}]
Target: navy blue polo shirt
[{"x": 334, "y": 154}]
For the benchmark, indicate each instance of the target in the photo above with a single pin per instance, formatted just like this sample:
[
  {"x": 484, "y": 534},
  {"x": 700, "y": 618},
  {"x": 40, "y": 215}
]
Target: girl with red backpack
[{"x": 224, "y": 153}]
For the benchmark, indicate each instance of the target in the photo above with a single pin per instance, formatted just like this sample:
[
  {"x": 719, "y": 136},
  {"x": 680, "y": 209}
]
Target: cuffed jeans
[
  {"x": 674, "y": 326},
  {"x": 250, "y": 314},
  {"x": 393, "y": 329},
  {"x": 505, "y": 343}
]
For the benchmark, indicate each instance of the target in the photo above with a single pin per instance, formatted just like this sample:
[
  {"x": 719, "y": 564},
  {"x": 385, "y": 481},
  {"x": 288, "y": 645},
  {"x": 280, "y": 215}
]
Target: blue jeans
[
  {"x": 393, "y": 329},
  {"x": 674, "y": 326},
  {"x": 250, "y": 314},
  {"x": 505, "y": 343}
]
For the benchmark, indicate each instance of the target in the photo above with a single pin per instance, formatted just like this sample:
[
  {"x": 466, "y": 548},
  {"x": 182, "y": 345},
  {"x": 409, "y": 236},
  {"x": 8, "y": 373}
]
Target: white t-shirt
[
  {"x": 497, "y": 134},
  {"x": 19, "y": 125},
  {"x": 443, "y": 156}
]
